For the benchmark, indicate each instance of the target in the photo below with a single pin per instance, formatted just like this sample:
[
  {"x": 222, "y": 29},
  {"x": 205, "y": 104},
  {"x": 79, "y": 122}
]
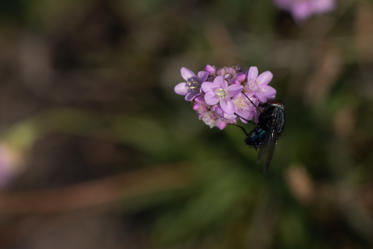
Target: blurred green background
[{"x": 96, "y": 150}]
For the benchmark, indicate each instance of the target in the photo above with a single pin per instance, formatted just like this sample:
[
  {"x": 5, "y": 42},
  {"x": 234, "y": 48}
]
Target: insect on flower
[
  {"x": 225, "y": 96},
  {"x": 267, "y": 131}
]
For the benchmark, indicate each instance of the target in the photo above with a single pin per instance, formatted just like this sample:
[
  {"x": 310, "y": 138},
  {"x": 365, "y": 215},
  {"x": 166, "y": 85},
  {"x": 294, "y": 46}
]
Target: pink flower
[
  {"x": 302, "y": 9},
  {"x": 192, "y": 87},
  {"x": 257, "y": 85},
  {"x": 219, "y": 92}
]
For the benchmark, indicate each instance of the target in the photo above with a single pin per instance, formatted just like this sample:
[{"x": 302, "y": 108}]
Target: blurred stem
[{"x": 127, "y": 187}]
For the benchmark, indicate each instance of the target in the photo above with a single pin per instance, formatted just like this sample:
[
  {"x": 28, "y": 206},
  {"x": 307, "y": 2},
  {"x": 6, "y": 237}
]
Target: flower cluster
[
  {"x": 226, "y": 95},
  {"x": 302, "y": 9}
]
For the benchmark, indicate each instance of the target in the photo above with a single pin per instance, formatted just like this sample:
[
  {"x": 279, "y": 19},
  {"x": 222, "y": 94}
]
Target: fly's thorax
[
  {"x": 272, "y": 117},
  {"x": 273, "y": 103}
]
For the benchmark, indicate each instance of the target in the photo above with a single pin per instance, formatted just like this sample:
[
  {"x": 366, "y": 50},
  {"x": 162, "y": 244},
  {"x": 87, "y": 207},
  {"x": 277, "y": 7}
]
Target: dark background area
[{"x": 97, "y": 151}]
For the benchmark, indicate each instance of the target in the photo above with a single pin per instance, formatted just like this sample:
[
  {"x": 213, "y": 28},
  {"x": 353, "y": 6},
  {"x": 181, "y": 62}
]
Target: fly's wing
[
  {"x": 267, "y": 149},
  {"x": 270, "y": 150},
  {"x": 268, "y": 145}
]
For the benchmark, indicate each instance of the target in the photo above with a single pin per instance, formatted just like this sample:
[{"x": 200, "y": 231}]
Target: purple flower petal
[
  {"x": 196, "y": 107},
  {"x": 210, "y": 69},
  {"x": 265, "y": 93},
  {"x": 211, "y": 86},
  {"x": 323, "y": 5},
  {"x": 261, "y": 96},
  {"x": 181, "y": 88},
  {"x": 186, "y": 73},
  {"x": 200, "y": 100},
  {"x": 227, "y": 106},
  {"x": 252, "y": 74},
  {"x": 202, "y": 75},
  {"x": 233, "y": 90},
  {"x": 246, "y": 116},
  {"x": 239, "y": 78},
  {"x": 217, "y": 109},
  {"x": 221, "y": 124},
  {"x": 269, "y": 91},
  {"x": 301, "y": 11},
  {"x": 265, "y": 78},
  {"x": 230, "y": 117},
  {"x": 207, "y": 86},
  {"x": 211, "y": 98},
  {"x": 224, "y": 84},
  {"x": 189, "y": 96},
  {"x": 219, "y": 81}
]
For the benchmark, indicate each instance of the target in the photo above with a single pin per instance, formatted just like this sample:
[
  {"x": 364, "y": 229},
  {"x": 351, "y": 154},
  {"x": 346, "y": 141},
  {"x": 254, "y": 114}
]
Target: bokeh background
[{"x": 96, "y": 150}]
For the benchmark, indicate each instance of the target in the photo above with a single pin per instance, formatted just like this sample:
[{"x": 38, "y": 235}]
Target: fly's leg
[
  {"x": 243, "y": 129},
  {"x": 239, "y": 116},
  {"x": 257, "y": 107}
]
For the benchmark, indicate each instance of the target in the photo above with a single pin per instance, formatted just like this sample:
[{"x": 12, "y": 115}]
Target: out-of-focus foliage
[{"x": 98, "y": 152}]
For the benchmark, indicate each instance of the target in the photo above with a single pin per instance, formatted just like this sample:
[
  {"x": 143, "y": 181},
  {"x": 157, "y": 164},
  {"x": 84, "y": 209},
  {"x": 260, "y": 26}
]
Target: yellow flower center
[
  {"x": 240, "y": 103},
  {"x": 221, "y": 93}
]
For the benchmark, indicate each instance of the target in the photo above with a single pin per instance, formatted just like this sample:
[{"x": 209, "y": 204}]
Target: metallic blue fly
[{"x": 270, "y": 125}]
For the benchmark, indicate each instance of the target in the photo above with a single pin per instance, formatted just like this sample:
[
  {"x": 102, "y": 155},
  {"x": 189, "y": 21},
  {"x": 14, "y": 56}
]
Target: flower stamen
[
  {"x": 240, "y": 103},
  {"x": 221, "y": 93},
  {"x": 193, "y": 83}
]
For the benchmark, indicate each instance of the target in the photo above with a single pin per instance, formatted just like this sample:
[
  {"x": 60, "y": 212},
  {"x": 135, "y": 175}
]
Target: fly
[{"x": 265, "y": 135}]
